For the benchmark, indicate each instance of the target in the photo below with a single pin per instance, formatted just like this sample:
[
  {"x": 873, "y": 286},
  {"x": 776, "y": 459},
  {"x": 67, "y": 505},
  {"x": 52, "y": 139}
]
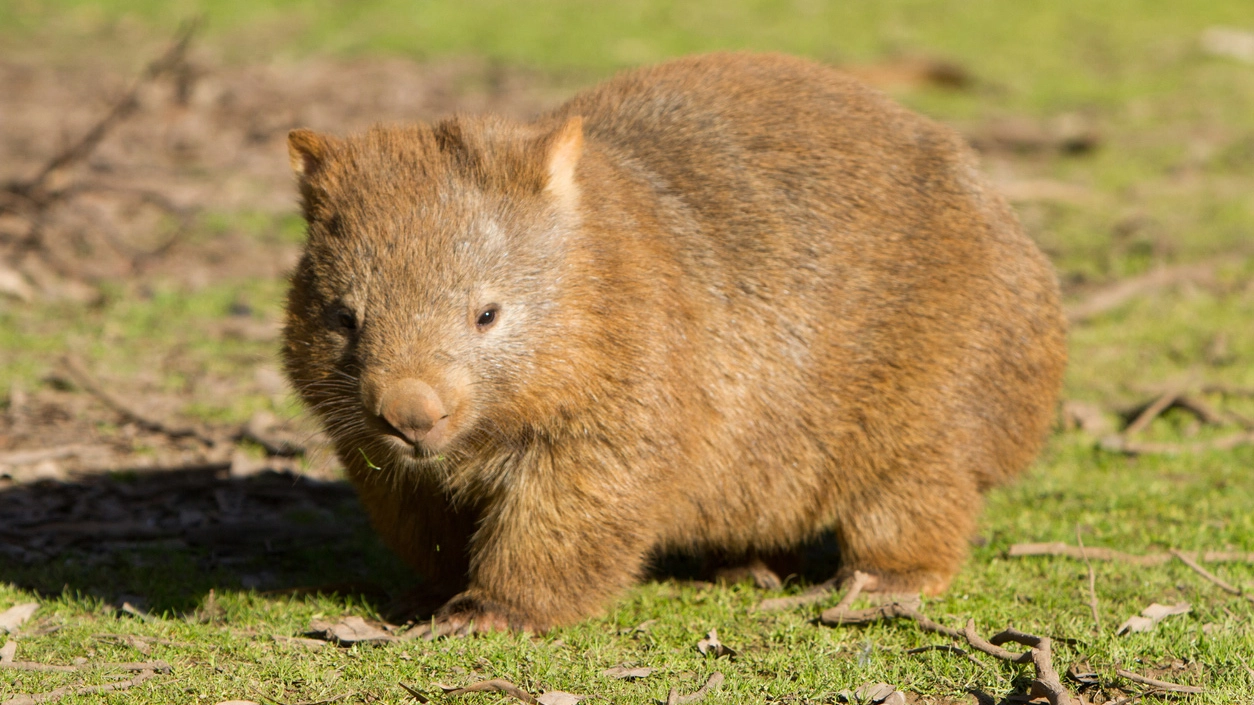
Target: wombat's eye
[
  {"x": 487, "y": 317},
  {"x": 342, "y": 319}
]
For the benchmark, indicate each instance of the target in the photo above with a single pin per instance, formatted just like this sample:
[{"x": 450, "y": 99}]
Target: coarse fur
[{"x": 737, "y": 300}]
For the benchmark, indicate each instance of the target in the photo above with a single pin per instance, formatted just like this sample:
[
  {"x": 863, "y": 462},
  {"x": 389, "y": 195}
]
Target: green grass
[{"x": 1169, "y": 183}]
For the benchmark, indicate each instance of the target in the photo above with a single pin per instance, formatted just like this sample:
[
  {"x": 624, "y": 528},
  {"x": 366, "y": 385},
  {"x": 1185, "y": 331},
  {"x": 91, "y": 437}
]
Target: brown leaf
[
  {"x": 627, "y": 673},
  {"x": 499, "y": 685},
  {"x": 13, "y": 617},
  {"x": 557, "y": 697},
  {"x": 1150, "y": 617},
  {"x": 711, "y": 645},
  {"x": 349, "y": 630}
]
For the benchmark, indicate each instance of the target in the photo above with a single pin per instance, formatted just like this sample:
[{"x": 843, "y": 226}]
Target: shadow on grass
[{"x": 161, "y": 540}]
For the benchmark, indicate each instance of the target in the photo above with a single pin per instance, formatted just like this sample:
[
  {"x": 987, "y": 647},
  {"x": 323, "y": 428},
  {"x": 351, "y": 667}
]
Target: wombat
[{"x": 721, "y": 304}]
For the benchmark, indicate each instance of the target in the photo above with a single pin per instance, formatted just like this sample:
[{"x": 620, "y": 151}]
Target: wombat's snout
[{"x": 415, "y": 410}]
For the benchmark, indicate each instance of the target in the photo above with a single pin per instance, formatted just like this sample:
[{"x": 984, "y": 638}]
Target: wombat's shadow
[{"x": 161, "y": 540}]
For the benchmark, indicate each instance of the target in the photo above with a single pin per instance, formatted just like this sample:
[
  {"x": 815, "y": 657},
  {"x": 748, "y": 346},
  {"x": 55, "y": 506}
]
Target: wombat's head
[{"x": 427, "y": 295}]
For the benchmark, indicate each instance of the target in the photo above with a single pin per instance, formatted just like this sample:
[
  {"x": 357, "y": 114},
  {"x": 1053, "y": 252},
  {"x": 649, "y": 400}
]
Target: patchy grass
[{"x": 1169, "y": 183}]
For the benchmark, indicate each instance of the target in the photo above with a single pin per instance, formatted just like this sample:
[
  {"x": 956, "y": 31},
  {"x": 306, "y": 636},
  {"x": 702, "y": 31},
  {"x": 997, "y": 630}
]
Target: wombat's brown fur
[{"x": 725, "y": 303}]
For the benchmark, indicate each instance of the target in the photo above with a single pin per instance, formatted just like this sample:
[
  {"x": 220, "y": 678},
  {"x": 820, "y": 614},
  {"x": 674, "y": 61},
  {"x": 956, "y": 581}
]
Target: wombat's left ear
[
  {"x": 564, "y": 146},
  {"x": 308, "y": 151}
]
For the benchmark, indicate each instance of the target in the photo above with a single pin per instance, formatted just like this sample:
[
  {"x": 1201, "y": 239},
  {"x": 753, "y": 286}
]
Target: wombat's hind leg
[{"x": 908, "y": 541}]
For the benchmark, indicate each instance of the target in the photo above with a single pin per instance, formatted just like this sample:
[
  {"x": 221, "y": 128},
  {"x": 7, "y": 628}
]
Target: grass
[{"x": 1170, "y": 183}]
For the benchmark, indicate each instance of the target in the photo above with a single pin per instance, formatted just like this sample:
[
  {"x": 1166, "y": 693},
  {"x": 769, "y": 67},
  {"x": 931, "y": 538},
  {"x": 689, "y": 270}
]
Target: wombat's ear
[
  {"x": 563, "y": 148},
  {"x": 307, "y": 150}
]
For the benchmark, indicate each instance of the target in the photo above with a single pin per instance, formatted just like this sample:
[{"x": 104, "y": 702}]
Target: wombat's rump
[{"x": 724, "y": 303}]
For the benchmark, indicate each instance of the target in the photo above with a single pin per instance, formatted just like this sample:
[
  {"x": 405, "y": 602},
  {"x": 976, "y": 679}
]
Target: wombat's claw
[{"x": 464, "y": 620}]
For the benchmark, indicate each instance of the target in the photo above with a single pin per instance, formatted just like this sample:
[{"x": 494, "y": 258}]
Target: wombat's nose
[{"x": 412, "y": 407}]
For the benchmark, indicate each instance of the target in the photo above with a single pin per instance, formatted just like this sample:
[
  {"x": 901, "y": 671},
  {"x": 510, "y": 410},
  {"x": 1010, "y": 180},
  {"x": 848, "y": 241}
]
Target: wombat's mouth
[{"x": 398, "y": 444}]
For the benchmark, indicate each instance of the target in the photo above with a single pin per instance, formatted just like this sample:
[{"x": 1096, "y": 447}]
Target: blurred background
[{"x": 148, "y": 217}]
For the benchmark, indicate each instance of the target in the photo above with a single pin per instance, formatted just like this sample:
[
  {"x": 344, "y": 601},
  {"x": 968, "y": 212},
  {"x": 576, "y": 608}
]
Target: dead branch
[
  {"x": 1163, "y": 685},
  {"x": 1228, "y": 390},
  {"x": 79, "y": 374},
  {"x": 1058, "y": 548},
  {"x": 1226, "y": 587},
  {"x": 37, "y": 455},
  {"x": 495, "y": 685},
  {"x": 1046, "y": 684},
  {"x": 155, "y": 666},
  {"x": 814, "y": 594},
  {"x": 1120, "y": 293},
  {"x": 674, "y": 698},
  {"x": 951, "y": 649},
  {"x": 35, "y": 189},
  {"x": 59, "y": 693},
  {"x": 1097, "y": 620},
  {"x": 1151, "y": 412},
  {"x": 1121, "y": 444}
]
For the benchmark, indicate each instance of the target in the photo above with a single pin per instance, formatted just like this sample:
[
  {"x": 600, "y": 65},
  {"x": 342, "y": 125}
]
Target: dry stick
[
  {"x": 1116, "y": 295},
  {"x": 1121, "y": 444},
  {"x": 1046, "y": 684},
  {"x": 1247, "y": 667},
  {"x": 174, "y": 56},
  {"x": 155, "y": 666},
  {"x": 814, "y": 594},
  {"x": 496, "y": 684},
  {"x": 674, "y": 698},
  {"x": 1097, "y": 620},
  {"x": 88, "y": 382},
  {"x": 1153, "y": 411},
  {"x": 59, "y": 693},
  {"x": 1226, "y": 587},
  {"x": 1164, "y": 685},
  {"x": 951, "y": 649},
  {"x": 1058, "y": 548}
]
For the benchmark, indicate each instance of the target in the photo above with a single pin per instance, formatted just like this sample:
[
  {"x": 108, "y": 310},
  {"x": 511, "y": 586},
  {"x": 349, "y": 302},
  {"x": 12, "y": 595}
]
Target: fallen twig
[
  {"x": 1120, "y": 293},
  {"x": 35, "y": 189},
  {"x": 814, "y": 594},
  {"x": 951, "y": 649},
  {"x": 79, "y": 374},
  {"x": 154, "y": 666},
  {"x": 674, "y": 698},
  {"x": 32, "y": 699},
  {"x": 1058, "y": 548},
  {"x": 1097, "y": 620},
  {"x": 1225, "y": 586},
  {"x": 1151, "y": 412},
  {"x": 495, "y": 685},
  {"x": 1121, "y": 444},
  {"x": 1046, "y": 683},
  {"x": 1164, "y": 685}
]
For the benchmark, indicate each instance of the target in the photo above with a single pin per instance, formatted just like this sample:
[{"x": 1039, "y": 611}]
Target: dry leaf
[
  {"x": 557, "y": 697},
  {"x": 1150, "y": 617},
  {"x": 711, "y": 645},
  {"x": 13, "y": 617},
  {"x": 350, "y": 630},
  {"x": 495, "y": 685},
  {"x": 874, "y": 694},
  {"x": 627, "y": 673}
]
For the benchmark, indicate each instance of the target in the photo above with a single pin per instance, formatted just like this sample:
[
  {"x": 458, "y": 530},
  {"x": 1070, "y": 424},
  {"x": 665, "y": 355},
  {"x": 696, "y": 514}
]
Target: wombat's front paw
[{"x": 465, "y": 615}]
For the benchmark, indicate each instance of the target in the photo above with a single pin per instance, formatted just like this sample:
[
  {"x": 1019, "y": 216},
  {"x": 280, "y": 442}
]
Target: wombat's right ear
[{"x": 307, "y": 150}]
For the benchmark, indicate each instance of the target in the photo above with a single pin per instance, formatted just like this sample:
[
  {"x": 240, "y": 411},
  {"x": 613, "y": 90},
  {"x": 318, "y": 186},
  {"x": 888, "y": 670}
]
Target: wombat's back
[{"x": 870, "y": 319}]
